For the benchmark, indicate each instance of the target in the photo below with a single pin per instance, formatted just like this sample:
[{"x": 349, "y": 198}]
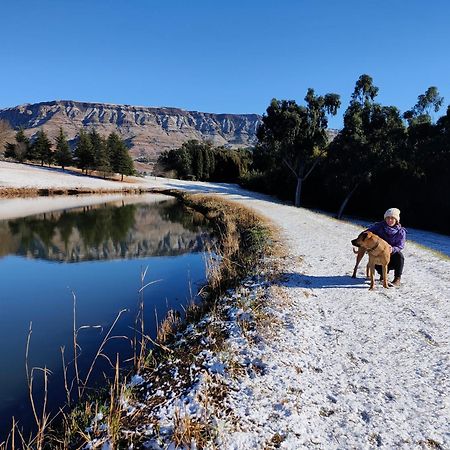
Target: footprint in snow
[{"x": 428, "y": 337}]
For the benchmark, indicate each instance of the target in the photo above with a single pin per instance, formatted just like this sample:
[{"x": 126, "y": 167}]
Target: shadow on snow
[{"x": 322, "y": 282}]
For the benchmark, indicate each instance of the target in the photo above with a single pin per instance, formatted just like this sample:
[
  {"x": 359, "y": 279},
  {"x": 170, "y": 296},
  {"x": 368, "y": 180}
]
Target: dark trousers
[{"x": 396, "y": 264}]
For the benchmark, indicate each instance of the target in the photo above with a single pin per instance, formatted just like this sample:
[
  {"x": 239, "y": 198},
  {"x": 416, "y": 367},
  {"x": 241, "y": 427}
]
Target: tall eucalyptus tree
[{"x": 295, "y": 135}]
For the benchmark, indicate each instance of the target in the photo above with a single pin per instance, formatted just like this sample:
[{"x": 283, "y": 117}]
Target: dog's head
[{"x": 365, "y": 240}]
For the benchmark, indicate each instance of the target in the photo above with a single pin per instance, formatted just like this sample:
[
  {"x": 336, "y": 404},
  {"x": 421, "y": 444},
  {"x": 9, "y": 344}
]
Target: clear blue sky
[{"x": 212, "y": 56}]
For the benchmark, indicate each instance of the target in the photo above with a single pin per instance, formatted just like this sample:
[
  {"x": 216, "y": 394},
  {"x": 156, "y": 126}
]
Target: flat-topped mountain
[{"x": 148, "y": 131}]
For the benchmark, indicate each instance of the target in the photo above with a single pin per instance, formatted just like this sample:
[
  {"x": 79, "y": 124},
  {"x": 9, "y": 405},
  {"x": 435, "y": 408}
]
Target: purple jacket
[{"x": 395, "y": 236}]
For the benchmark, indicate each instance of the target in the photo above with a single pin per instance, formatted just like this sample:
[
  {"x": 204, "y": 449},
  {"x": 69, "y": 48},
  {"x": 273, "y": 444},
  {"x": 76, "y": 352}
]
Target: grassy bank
[
  {"x": 166, "y": 368},
  {"x": 47, "y": 192}
]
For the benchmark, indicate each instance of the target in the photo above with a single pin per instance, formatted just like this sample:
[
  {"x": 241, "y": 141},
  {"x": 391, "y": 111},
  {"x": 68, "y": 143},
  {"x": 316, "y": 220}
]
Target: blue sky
[{"x": 218, "y": 57}]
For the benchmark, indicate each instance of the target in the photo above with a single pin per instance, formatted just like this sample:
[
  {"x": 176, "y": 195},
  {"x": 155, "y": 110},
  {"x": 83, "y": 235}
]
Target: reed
[{"x": 140, "y": 338}]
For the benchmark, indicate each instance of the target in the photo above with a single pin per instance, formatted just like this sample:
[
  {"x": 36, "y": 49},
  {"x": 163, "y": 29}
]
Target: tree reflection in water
[{"x": 107, "y": 232}]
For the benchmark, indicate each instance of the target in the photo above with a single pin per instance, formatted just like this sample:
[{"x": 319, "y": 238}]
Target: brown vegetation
[{"x": 47, "y": 192}]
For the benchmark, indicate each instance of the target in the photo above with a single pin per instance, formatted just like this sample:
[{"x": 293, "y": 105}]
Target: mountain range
[{"x": 148, "y": 131}]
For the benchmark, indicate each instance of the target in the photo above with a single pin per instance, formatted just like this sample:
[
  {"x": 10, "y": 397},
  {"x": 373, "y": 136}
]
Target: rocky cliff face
[{"x": 148, "y": 131}]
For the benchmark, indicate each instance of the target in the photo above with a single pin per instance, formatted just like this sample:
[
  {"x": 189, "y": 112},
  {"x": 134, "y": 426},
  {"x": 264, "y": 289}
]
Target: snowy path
[
  {"x": 346, "y": 368},
  {"x": 375, "y": 366}
]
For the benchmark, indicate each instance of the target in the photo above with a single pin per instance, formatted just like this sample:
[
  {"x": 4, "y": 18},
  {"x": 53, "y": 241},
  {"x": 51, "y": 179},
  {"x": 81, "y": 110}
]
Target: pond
[{"x": 94, "y": 255}]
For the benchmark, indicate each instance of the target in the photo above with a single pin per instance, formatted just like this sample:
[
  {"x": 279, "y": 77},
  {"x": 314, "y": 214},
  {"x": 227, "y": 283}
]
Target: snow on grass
[{"x": 340, "y": 367}]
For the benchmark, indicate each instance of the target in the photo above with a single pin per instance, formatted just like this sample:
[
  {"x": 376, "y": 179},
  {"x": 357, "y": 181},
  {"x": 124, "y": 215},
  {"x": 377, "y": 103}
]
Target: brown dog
[{"x": 379, "y": 252}]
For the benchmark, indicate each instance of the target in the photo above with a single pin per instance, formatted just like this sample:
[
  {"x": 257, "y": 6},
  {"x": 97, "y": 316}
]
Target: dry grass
[
  {"x": 168, "y": 327},
  {"x": 34, "y": 192},
  {"x": 188, "y": 431}
]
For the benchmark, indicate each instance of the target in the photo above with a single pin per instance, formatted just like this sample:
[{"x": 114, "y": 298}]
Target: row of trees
[
  {"x": 92, "y": 152},
  {"x": 379, "y": 159},
  {"x": 196, "y": 160}
]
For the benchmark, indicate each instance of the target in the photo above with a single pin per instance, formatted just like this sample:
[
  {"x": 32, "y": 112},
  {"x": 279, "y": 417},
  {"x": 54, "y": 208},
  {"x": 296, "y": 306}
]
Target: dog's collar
[{"x": 373, "y": 248}]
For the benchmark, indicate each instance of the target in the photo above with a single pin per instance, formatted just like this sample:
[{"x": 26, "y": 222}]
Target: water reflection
[
  {"x": 105, "y": 232},
  {"x": 97, "y": 252}
]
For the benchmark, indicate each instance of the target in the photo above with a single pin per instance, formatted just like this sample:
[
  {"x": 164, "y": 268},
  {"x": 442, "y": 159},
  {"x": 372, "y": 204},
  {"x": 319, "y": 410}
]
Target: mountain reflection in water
[
  {"x": 97, "y": 253},
  {"x": 106, "y": 232}
]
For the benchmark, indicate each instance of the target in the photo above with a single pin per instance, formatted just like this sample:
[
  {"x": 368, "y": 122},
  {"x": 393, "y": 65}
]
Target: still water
[{"x": 96, "y": 254}]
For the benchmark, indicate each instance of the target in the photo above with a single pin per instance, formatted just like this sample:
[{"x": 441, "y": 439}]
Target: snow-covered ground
[
  {"x": 344, "y": 367},
  {"x": 14, "y": 175}
]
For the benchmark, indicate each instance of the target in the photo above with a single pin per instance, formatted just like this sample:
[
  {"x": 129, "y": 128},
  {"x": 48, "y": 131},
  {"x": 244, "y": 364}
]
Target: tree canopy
[{"x": 296, "y": 135}]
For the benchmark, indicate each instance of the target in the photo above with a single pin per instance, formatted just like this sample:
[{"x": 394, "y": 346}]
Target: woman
[{"x": 395, "y": 235}]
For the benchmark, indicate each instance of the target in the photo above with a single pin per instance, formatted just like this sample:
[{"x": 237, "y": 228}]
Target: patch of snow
[{"x": 136, "y": 380}]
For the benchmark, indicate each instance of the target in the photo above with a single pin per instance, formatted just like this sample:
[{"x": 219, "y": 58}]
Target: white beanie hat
[{"x": 393, "y": 212}]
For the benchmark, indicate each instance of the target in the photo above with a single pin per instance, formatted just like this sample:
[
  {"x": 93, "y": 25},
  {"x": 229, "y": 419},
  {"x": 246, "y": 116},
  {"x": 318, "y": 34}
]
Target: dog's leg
[
  {"x": 367, "y": 271},
  {"x": 359, "y": 257},
  {"x": 372, "y": 278},
  {"x": 385, "y": 275}
]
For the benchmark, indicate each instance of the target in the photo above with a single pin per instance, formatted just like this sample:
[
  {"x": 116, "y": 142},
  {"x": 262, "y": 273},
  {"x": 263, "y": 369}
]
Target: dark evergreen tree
[
  {"x": 10, "y": 151},
  {"x": 20, "y": 150},
  {"x": 42, "y": 148},
  {"x": 120, "y": 159},
  {"x": 63, "y": 154},
  {"x": 84, "y": 153},
  {"x": 100, "y": 152}
]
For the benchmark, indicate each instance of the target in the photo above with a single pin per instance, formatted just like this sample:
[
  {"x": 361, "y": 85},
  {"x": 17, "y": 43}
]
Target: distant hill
[{"x": 147, "y": 131}]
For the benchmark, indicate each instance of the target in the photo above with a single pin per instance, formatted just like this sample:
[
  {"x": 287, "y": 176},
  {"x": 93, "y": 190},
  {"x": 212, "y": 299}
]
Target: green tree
[
  {"x": 198, "y": 162},
  {"x": 296, "y": 135},
  {"x": 84, "y": 153},
  {"x": 119, "y": 156},
  {"x": 371, "y": 135},
  {"x": 100, "y": 152},
  {"x": 63, "y": 155},
  {"x": 421, "y": 131},
  {"x": 10, "y": 151},
  {"x": 202, "y": 161},
  {"x": 427, "y": 103},
  {"x": 42, "y": 148},
  {"x": 20, "y": 150}
]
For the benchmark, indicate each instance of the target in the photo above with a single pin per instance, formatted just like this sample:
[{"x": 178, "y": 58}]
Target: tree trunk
[
  {"x": 122, "y": 177},
  {"x": 346, "y": 200},
  {"x": 298, "y": 191}
]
